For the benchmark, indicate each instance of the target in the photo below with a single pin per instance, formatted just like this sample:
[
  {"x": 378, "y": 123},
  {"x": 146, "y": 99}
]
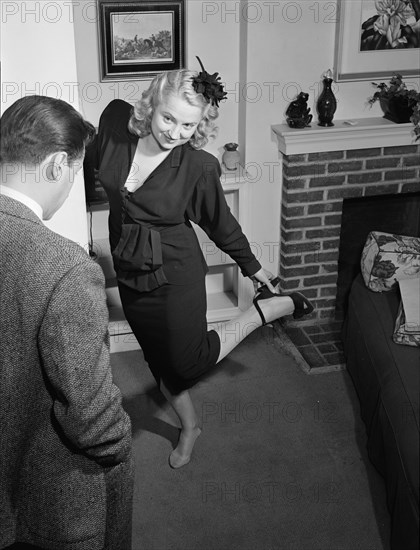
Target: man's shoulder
[
  {"x": 67, "y": 254},
  {"x": 37, "y": 244},
  {"x": 63, "y": 244}
]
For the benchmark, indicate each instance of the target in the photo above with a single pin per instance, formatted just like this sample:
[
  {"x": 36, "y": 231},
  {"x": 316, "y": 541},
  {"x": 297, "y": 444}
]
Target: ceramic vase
[
  {"x": 231, "y": 157},
  {"x": 326, "y": 104}
]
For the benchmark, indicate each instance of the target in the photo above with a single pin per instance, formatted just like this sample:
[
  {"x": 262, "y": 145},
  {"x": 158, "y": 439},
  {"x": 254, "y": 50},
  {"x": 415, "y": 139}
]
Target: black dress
[{"x": 157, "y": 257}]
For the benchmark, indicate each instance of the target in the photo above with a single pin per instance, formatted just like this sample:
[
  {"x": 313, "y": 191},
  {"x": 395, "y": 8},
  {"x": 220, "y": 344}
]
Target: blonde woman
[{"x": 158, "y": 180}]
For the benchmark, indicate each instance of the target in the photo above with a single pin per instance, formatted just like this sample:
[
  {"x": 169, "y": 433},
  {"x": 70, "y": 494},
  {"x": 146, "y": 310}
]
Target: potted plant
[{"x": 398, "y": 103}]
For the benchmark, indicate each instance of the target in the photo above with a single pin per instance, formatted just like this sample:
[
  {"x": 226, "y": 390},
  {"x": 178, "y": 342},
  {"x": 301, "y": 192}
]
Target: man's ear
[{"x": 54, "y": 165}]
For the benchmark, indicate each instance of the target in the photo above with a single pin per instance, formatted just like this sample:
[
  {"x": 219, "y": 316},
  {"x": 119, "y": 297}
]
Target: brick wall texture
[{"x": 314, "y": 186}]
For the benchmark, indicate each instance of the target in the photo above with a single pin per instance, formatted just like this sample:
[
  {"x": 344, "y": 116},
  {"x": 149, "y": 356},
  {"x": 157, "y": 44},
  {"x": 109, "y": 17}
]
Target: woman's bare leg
[
  {"x": 233, "y": 332},
  {"x": 190, "y": 429}
]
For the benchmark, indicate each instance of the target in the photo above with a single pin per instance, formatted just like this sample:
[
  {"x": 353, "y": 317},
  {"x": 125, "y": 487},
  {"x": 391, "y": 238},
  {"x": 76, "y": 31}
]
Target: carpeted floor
[{"x": 280, "y": 465}]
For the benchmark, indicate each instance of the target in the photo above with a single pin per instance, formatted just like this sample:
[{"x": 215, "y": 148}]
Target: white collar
[{"x": 24, "y": 199}]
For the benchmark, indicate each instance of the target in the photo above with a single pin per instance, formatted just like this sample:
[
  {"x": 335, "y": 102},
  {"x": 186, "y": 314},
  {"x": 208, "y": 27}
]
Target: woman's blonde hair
[{"x": 177, "y": 83}]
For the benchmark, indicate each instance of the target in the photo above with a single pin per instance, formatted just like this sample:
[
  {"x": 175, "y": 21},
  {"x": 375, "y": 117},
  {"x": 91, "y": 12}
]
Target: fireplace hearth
[{"x": 375, "y": 160}]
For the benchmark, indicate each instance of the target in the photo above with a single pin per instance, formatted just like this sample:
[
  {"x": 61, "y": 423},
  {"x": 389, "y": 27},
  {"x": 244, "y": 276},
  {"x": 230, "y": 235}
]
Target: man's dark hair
[{"x": 36, "y": 126}]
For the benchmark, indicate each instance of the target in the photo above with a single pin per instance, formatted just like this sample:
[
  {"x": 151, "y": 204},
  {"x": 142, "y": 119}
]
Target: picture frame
[
  {"x": 139, "y": 39},
  {"x": 364, "y": 53}
]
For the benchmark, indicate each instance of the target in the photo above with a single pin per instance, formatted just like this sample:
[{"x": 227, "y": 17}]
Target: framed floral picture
[
  {"x": 377, "y": 38},
  {"x": 140, "y": 38}
]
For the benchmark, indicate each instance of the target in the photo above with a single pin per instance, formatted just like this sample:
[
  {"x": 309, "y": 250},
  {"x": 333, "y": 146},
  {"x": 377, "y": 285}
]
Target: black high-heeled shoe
[{"x": 302, "y": 305}]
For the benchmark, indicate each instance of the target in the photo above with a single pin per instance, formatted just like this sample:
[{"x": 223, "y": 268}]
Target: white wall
[
  {"x": 289, "y": 45},
  {"x": 39, "y": 57},
  {"x": 265, "y": 50},
  {"x": 217, "y": 46}
]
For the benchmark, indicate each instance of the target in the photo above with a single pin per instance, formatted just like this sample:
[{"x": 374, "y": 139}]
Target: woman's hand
[{"x": 263, "y": 276}]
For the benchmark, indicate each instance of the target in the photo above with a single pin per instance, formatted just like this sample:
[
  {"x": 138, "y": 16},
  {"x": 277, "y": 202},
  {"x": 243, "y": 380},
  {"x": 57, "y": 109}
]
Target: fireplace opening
[{"x": 398, "y": 214}]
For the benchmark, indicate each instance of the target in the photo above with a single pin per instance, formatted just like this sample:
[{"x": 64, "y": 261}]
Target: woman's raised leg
[
  {"x": 230, "y": 334},
  {"x": 233, "y": 332}
]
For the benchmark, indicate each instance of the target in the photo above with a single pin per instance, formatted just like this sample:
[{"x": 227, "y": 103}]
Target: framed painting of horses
[
  {"x": 141, "y": 38},
  {"x": 377, "y": 38}
]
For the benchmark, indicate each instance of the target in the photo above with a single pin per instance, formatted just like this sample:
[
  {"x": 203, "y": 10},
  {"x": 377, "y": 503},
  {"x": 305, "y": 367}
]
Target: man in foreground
[{"x": 66, "y": 472}]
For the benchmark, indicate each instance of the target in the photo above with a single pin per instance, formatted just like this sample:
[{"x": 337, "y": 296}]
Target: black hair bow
[{"x": 209, "y": 85}]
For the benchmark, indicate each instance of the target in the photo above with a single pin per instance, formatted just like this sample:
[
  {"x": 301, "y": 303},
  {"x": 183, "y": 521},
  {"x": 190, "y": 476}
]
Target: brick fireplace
[{"x": 320, "y": 168}]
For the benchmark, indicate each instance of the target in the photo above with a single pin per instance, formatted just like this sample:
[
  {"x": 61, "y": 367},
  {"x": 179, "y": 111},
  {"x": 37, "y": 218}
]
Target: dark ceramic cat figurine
[{"x": 297, "y": 113}]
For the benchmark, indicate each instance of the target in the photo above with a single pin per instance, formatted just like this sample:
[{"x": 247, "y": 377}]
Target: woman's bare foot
[{"x": 181, "y": 455}]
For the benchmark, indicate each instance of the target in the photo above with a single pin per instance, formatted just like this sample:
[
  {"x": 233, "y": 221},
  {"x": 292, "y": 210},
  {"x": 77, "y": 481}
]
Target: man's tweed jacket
[{"x": 66, "y": 473}]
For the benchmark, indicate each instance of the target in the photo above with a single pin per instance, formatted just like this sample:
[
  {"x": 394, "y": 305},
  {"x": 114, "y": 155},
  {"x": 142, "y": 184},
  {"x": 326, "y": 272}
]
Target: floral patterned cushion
[
  {"x": 388, "y": 258},
  {"x": 403, "y": 334}
]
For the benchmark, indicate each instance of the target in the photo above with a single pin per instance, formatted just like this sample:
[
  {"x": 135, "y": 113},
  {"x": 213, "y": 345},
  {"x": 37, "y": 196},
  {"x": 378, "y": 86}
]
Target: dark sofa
[{"x": 386, "y": 378}]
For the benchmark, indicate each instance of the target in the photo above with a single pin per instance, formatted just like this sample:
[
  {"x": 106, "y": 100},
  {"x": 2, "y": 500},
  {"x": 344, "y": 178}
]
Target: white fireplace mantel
[{"x": 364, "y": 133}]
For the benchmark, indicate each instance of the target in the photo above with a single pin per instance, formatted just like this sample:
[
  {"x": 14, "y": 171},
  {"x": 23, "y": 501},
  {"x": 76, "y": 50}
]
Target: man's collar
[{"x": 24, "y": 199}]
